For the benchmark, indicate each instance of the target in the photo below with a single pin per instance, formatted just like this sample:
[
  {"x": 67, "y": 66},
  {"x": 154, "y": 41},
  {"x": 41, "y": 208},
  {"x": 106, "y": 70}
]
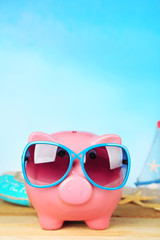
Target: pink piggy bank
[{"x": 75, "y": 176}]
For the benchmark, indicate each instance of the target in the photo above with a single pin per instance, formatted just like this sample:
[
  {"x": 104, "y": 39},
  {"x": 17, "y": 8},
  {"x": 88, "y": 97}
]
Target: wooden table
[{"x": 128, "y": 222}]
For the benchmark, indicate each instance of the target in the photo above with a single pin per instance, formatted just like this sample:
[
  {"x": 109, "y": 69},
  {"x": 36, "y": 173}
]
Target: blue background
[{"x": 79, "y": 65}]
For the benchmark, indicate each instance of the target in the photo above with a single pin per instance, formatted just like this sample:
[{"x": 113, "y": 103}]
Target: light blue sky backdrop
[{"x": 79, "y": 65}]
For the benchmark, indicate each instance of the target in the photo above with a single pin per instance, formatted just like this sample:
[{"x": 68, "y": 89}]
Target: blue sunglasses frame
[{"x": 76, "y": 156}]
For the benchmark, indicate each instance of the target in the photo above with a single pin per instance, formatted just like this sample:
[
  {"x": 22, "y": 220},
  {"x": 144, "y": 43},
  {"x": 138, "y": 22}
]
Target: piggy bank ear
[
  {"x": 39, "y": 136},
  {"x": 107, "y": 138}
]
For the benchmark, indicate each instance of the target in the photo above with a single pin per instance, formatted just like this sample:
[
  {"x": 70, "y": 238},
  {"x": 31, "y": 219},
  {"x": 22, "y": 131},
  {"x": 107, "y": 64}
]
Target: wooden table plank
[
  {"x": 17, "y": 222},
  {"x": 28, "y": 226},
  {"x": 127, "y": 210}
]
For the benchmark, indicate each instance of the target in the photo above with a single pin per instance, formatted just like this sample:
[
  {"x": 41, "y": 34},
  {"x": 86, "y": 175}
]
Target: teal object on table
[
  {"x": 13, "y": 190},
  {"x": 150, "y": 174}
]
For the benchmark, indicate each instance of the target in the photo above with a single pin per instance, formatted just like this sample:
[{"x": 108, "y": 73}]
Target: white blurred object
[
  {"x": 115, "y": 156},
  {"x": 44, "y": 153}
]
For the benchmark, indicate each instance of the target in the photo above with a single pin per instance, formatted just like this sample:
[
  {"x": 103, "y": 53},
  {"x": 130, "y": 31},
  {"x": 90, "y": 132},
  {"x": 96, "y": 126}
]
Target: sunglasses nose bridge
[{"x": 75, "y": 156}]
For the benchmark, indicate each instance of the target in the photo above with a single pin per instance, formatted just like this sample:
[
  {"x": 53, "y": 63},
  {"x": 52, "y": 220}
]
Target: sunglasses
[{"x": 46, "y": 164}]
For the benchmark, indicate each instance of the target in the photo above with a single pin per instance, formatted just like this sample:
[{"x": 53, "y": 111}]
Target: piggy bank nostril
[
  {"x": 74, "y": 164},
  {"x": 75, "y": 190}
]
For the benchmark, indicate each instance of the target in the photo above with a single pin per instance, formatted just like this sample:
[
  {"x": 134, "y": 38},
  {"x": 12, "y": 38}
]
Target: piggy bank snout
[{"x": 75, "y": 190}]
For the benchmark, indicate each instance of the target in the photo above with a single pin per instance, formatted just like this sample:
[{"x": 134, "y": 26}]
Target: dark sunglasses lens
[
  {"x": 106, "y": 166},
  {"x": 46, "y": 164}
]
